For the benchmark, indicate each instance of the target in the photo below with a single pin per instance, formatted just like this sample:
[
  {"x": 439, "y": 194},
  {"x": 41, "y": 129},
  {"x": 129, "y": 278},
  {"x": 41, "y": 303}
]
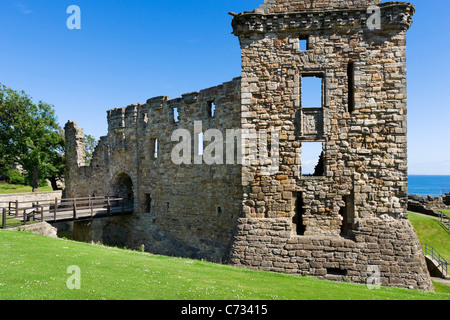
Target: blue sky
[{"x": 129, "y": 51}]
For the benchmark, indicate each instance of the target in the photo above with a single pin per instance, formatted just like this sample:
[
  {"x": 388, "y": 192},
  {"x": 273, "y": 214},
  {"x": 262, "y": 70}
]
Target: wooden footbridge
[{"x": 60, "y": 210}]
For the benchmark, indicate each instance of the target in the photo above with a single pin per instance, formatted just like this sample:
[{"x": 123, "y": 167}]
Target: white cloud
[{"x": 24, "y": 9}]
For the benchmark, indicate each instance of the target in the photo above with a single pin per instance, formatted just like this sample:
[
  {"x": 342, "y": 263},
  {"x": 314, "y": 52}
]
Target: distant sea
[{"x": 429, "y": 185}]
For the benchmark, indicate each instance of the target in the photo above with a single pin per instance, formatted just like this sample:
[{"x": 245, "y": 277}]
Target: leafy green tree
[
  {"x": 29, "y": 136},
  {"x": 90, "y": 144}
]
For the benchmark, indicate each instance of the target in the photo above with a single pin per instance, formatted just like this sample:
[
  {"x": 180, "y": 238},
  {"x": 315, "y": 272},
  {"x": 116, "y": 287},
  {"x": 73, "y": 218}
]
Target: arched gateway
[{"x": 123, "y": 188}]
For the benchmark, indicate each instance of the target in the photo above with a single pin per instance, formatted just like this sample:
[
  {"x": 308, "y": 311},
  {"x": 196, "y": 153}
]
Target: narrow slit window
[
  {"x": 211, "y": 108},
  {"x": 312, "y": 159},
  {"x": 297, "y": 221},
  {"x": 199, "y": 144},
  {"x": 312, "y": 91},
  {"x": 154, "y": 148},
  {"x": 148, "y": 203},
  {"x": 348, "y": 216},
  {"x": 351, "y": 86},
  {"x": 176, "y": 115}
]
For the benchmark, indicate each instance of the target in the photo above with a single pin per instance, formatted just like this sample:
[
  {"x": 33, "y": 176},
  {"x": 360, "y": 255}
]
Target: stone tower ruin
[{"x": 344, "y": 220}]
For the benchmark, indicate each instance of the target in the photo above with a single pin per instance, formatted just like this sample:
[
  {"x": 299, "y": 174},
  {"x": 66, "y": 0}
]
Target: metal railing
[
  {"x": 22, "y": 213},
  {"x": 445, "y": 220},
  {"x": 442, "y": 263}
]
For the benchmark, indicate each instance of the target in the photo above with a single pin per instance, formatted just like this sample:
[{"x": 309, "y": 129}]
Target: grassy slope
[
  {"x": 13, "y": 188},
  {"x": 446, "y": 211},
  {"x": 35, "y": 267},
  {"x": 430, "y": 231}
]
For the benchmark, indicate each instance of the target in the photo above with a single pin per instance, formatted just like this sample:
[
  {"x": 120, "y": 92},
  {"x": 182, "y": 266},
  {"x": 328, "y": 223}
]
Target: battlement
[
  {"x": 393, "y": 16},
  {"x": 164, "y": 109},
  {"x": 277, "y": 6}
]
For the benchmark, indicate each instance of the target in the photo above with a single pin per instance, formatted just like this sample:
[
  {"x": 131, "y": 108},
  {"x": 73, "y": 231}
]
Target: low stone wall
[
  {"x": 30, "y": 196},
  {"x": 390, "y": 245},
  {"x": 421, "y": 208},
  {"x": 446, "y": 199}
]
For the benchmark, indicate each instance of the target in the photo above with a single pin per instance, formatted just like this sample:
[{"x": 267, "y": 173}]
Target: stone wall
[
  {"x": 353, "y": 213},
  {"x": 427, "y": 205},
  {"x": 185, "y": 209},
  {"x": 388, "y": 244},
  {"x": 29, "y": 196},
  {"x": 421, "y": 208},
  {"x": 364, "y": 145}
]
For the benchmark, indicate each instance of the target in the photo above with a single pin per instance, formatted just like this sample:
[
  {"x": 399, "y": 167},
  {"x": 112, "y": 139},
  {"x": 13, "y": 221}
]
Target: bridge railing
[
  {"x": 22, "y": 213},
  {"x": 442, "y": 263},
  {"x": 444, "y": 220}
]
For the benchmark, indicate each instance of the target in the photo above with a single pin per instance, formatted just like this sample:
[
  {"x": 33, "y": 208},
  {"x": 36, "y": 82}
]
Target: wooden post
[
  {"x": 24, "y": 216},
  {"x": 17, "y": 208},
  {"x": 42, "y": 213},
  {"x": 74, "y": 209},
  {"x": 55, "y": 210},
  {"x": 91, "y": 205},
  {"x": 4, "y": 218},
  {"x": 109, "y": 207}
]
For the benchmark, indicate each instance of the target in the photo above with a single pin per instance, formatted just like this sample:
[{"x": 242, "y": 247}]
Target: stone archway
[{"x": 123, "y": 188}]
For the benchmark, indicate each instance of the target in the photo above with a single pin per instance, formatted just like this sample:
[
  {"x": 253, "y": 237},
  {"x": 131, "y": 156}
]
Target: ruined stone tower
[{"x": 345, "y": 220}]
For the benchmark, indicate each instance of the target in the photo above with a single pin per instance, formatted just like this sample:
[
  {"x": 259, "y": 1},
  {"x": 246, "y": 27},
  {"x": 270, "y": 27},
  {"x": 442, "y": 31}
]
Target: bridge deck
[{"x": 21, "y": 213}]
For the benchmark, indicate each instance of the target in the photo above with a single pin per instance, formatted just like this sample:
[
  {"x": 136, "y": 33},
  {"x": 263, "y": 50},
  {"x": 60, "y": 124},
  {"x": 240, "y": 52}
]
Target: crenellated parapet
[
  {"x": 282, "y": 6},
  {"x": 393, "y": 16}
]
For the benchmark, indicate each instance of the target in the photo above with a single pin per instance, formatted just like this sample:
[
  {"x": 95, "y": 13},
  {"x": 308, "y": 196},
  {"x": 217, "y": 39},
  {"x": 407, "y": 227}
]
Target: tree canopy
[{"x": 30, "y": 136}]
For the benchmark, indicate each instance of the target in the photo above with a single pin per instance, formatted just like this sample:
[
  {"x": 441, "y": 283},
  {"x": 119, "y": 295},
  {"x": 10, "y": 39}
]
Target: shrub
[{"x": 15, "y": 177}]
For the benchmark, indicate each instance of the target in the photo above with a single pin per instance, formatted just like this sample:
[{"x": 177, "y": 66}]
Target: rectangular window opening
[
  {"x": 336, "y": 272},
  {"x": 351, "y": 86},
  {"x": 303, "y": 44},
  {"x": 312, "y": 91},
  {"x": 312, "y": 159},
  {"x": 297, "y": 220},
  {"x": 211, "y": 108}
]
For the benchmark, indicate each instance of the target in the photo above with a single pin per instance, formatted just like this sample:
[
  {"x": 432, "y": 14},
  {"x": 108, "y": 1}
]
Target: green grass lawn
[
  {"x": 6, "y": 188},
  {"x": 35, "y": 267},
  {"x": 430, "y": 231},
  {"x": 445, "y": 211}
]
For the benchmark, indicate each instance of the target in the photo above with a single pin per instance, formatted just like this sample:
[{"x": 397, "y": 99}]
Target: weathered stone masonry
[
  {"x": 187, "y": 210},
  {"x": 337, "y": 224}
]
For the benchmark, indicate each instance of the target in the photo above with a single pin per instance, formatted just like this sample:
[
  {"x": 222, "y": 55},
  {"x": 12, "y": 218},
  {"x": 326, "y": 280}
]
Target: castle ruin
[{"x": 342, "y": 221}]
